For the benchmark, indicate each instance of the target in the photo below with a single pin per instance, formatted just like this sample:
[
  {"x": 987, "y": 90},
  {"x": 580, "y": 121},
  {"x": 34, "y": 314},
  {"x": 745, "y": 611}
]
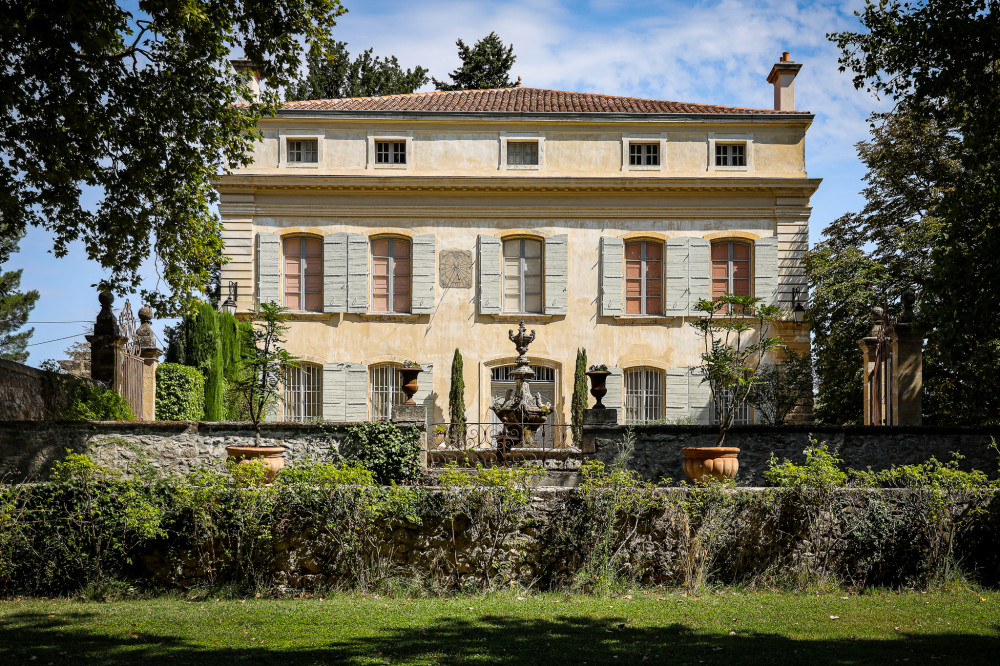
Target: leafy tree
[
  {"x": 937, "y": 60},
  {"x": 335, "y": 75},
  {"x": 781, "y": 385},
  {"x": 485, "y": 65},
  {"x": 456, "y": 402},
  {"x": 141, "y": 110},
  {"x": 580, "y": 399},
  {"x": 15, "y": 306}
]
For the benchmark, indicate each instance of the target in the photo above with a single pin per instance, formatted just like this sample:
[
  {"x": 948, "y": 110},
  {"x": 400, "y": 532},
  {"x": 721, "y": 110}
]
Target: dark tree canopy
[
  {"x": 938, "y": 61},
  {"x": 335, "y": 75},
  {"x": 485, "y": 65},
  {"x": 143, "y": 110}
]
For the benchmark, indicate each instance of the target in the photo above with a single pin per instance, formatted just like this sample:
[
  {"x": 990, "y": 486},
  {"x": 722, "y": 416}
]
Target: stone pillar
[
  {"x": 593, "y": 421},
  {"x": 415, "y": 415},
  {"x": 907, "y": 351},
  {"x": 105, "y": 344},
  {"x": 868, "y": 346},
  {"x": 150, "y": 355}
]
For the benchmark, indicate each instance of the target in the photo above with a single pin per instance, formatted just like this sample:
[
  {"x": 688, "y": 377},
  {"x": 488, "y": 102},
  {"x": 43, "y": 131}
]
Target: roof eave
[{"x": 796, "y": 117}]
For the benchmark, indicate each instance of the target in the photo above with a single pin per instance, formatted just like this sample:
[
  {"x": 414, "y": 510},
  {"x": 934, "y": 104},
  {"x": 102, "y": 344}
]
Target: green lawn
[{"x": 645, "y": 627}]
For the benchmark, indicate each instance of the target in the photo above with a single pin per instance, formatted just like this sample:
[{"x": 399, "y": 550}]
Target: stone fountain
[{"x": 520, "y": 412}]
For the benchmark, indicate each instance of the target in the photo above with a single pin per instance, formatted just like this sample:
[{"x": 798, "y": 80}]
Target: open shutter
[
  {"x": 425, "y": 390},
  {"x": 268, "y": 268},
  {"x": 676, "y": 302},
  {"x": 335, "y": 273},
  {"x": 613, "y": 399},
  {"x": 422, "y": 282},
  {"x": 488, "y": 261},
  {"x": 765, "y": 267},
  {"x": 556, "y": 275},
  {"x": 699, "y": 397},
  {"x": 356, "y": 388},
  {"x": 676, "y": 408},
  {"x": 357, "y": 273},
  {"x": 612, "y": 267},
  {"x": 699, "y": 273},
  {"x": 334, "y": 392}
]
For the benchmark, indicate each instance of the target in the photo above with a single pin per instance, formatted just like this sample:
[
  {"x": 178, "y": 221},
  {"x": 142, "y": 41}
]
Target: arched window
[
  {"x": 390, "y": 275},
  {"x": 303, "y": 273},
  {"x": 522, "y": 276},
  {"x": 643, "y": 278},
  {"x": 731, "y": 269},
  {"x": 643, "y": 395},
  {"x": 302, "y": 393},
  {"x": 384, "y": 391}
]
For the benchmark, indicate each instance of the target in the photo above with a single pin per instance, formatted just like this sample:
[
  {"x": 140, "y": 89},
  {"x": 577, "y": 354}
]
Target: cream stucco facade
[{"x": 457, "y": 192}]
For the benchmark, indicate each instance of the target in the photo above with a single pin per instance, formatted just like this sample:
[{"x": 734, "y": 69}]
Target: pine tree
[
  {"x": 335, "y": 75},
  {"x": 15, "y": 306},
  {"x": 580, "y": 399},
  {"x": 456, "y": 402},
  {"x": 485, "y": 65}
]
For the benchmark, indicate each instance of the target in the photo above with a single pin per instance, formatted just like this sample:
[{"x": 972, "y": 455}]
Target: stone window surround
[
  {"x": 506, "y": 137},
  {"x": 746, "y": 138},
  {"x": 404, "y": 136},
  {"x": 286, "y": 135},
  {"x": 629, "y": 139}
]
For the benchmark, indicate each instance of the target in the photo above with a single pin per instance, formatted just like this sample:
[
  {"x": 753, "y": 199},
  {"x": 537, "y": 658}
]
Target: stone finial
[
  {"x": 106, "y": 322},
  {"x": 908, "y": 299},
  {"x": 144, "y": 336}
]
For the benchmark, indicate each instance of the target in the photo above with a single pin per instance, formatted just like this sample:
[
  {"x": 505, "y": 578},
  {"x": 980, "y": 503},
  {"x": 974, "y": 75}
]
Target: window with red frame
[
  {"x": 390, "y": 275},
  {"x": 731, "y": 269},
  {"x": 643, "y": 278},
  {"x": 303, "y": 264}
]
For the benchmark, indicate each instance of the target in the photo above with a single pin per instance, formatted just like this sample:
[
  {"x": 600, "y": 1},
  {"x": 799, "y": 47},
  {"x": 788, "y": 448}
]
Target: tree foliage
[
  {"x": 580, "y": 397},
  {"x": 781, "y": 386},
  {"x": 140, "y": 110},
  {"x": 334, "y": 75},
  {"x": 934, "y": 212},
  {"x": 456, "y": 401},
  {"x": 15, "y": 306},
  {"x": 487, "y": 64}
]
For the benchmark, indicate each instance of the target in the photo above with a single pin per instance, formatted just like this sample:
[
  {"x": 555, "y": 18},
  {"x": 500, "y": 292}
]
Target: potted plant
[
  {"x": 257, "y": 387},
  {"x": 729, "y": 363},
  {"x": 408, "y": 380},
  {"x": 598, "y": 383}
]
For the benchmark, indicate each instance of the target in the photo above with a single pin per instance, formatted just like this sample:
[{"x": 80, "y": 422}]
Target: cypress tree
[
  {"x": 229, "y": 339},
  {"x": 456, "y": 402},
  {"x": 204, "y": 352},
  {"x": 579, "y": 403}
]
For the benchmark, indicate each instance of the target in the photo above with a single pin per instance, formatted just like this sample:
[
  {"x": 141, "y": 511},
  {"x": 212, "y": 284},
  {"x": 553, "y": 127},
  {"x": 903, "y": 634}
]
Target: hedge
[{"x": 180, "y": 393}]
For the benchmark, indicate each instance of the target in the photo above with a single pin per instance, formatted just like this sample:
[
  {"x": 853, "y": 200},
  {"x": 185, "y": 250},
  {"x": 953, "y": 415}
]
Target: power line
[
  {"x": 56, "y": 340},
  {"x": 76, "y": 321}
]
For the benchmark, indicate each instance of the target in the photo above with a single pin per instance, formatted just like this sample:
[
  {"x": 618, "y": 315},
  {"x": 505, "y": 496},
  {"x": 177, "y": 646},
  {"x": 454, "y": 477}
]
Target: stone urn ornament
[
  {"x": 408, "y": 373},
  {"x": 598, "y": 383}
]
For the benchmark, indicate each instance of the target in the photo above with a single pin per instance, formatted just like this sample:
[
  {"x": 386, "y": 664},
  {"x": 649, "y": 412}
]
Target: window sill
[
  {"x": 391, "y": 166},
  {"x": 643, "y": 167},
  {"x": 389, "y": 316},
  {"x": 522, "y": 167},
  {"x": 307, "y": 315},
  {"x": 646, "y": 319},
  {"x": 514, "y": 318},
  {"x": 300, "y": 165}
]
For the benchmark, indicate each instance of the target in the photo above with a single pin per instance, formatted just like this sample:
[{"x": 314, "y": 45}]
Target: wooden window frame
[
  {"x": 302, "y": 238},
  {"x": 646, "y": 150},
  {"x": 299, "y": 150},
  {"x": 521, "y": 277},
  {"x": 731, "y": 243},
  {"x": 392, "y": 153},
  {"x": 645, "y": 242},
  {"x": 393, "y": 240}
]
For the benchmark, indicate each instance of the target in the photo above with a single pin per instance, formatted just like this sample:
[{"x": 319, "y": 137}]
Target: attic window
[
  {"x": 644, "y": 154},
  {"x": 730, "y": 154},
  {"x": 522, "y": 153},
  {"x": 390, "y": 152},
  {"x": 303, "y": 150}
]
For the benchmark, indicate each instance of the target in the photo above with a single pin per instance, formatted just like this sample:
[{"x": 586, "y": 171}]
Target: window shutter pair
[
  {"x": 765, "y": 268},
  {"x": 684, "y": 394},
  {"x": 687, "y": 273},
  {"x": 345, "y": 272},
  {"x": 345, "y": 392},
  {"x": 555, "y": 263}
]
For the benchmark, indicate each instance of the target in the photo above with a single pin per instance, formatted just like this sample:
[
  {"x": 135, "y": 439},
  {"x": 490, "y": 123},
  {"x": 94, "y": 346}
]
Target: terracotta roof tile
[{"x": 517, "y": 100}]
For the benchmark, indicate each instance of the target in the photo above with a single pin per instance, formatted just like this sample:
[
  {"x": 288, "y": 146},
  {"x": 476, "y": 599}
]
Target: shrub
[
  {"x": 390, "y": 452},
  {"x": 180, "y": 393},
  {"x": 822, "y": 470},
  {"x": 94, "y": 402}
]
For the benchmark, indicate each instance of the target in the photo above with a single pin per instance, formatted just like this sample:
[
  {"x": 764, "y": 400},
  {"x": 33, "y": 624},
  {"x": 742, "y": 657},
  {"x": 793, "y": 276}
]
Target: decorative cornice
[{"x": 516, "y": 212}]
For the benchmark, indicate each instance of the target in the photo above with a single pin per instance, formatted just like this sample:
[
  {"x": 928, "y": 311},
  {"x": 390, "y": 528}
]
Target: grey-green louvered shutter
[
  {"x": 699, "y": 396},
  {"x": 677, "y": 293},
  {"x": 699, "y": 273},
  {"x": 676, "y": 408},
  {"x": 425, "y": 390},
  {"x": 422, "y": 282},
  {"x": 765, "y": 266},
  {"x": 357, "y": 273},
  {"x": 334, "y": 392},
  {"x": 268, "y": 268},
  {"x": 356, "y": 388},
  {"x": 488, "y": 262},
  {"x": 614, "y": 398},
  {"x": 556, "y": 275},
  {"x": 612, "y": 267},
  {"x": 335, "y": 273}
]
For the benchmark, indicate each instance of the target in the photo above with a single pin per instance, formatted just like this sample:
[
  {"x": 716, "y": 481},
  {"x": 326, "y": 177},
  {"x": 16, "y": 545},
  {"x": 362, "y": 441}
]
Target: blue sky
[{"x": 716, "y": 51}]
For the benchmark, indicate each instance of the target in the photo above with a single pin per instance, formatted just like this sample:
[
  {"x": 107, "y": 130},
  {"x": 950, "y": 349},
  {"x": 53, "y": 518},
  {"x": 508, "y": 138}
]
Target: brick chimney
[
  {"x": 243, "y": 65},
  {"x": 783, "y": 77}
]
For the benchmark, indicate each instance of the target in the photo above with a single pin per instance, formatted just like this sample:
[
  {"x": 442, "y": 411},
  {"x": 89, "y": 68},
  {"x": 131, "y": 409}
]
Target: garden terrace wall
[
  {"x": 28, "y": 449},
  {"x": 658, "y": 454},
  {"x": 26, "y": 393}
]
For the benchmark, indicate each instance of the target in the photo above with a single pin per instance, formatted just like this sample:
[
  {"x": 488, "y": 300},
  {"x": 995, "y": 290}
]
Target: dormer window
[
  {"x": 730, "y": 154},
  {"x": 390, "y": 152},
  {"x": 303, "y": 151}
]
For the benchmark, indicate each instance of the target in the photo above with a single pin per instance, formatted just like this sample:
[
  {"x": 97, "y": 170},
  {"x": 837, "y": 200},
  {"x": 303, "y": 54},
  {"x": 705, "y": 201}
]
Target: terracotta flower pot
[
  {"x": 720, "y": 462},
  {"x": 598, "y": 386},
  {"x": 408, "y": 383},
  {"x": 271, "y": 456}
]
